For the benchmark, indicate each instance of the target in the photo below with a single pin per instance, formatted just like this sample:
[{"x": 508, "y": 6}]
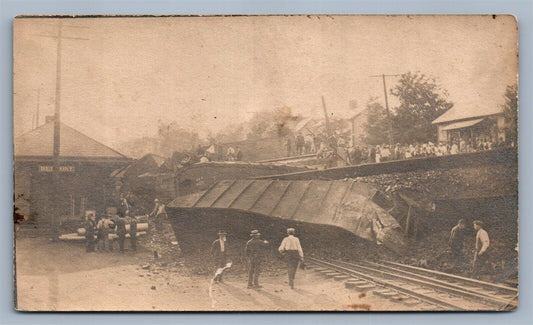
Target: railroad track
[{"x": 420, "y": 288}]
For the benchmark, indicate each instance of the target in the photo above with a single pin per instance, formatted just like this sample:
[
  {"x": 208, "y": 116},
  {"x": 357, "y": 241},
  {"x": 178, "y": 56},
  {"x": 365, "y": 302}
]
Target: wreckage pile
[
  {"x": 163, "y": 243},
  {"x": 445, "y": 187}
]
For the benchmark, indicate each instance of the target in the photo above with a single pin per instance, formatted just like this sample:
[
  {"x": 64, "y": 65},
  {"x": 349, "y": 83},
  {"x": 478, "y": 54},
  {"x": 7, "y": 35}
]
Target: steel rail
[
  {"x": 452, "y": 277},
  {"x": 387, "y": 284},
  {"x": 432, "y": 283},
  {"x": 487, "y": 297}
]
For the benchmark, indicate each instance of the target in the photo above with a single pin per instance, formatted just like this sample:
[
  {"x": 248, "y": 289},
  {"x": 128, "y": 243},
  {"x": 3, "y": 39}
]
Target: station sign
[{"x": 49, "y": 169}]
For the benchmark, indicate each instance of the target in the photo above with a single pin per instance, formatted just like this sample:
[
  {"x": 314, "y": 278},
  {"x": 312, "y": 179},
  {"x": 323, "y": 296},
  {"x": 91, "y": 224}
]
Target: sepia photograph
[{"x": 265, "y": 163}]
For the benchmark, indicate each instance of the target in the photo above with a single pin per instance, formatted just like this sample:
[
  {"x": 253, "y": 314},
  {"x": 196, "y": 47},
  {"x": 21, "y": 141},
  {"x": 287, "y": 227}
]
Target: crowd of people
[
  {"x": 340, "y": 146},
  {"x": 215, "y": 153},
  {"x": 255, "y": 251},
  {"x": 380, "y": 153}
]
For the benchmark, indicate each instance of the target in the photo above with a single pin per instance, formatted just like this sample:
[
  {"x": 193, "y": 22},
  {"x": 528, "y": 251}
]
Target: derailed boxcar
[{"x": 342, "y": 203}]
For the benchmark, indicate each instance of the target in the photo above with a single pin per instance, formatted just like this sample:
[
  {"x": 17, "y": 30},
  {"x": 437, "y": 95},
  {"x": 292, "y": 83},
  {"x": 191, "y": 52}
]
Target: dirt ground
[{"x": 61, "y": 276}]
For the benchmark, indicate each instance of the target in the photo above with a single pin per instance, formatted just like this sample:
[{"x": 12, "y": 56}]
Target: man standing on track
[
  {"x": 255, "y": 252},
  {"x": 292, "y": 250}
]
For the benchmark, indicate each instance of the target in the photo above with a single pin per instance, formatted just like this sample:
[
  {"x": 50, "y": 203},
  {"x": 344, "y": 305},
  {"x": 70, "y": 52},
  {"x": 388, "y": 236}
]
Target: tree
[
  {"x": 376, "y": 126},
  {"x": 271, "y": 123},
  {"x": 173, "y": 137},
  {"x": 231, "y": 133},
  {"x": 510, "y": 112},
  {"x": 421, "y": 101}
]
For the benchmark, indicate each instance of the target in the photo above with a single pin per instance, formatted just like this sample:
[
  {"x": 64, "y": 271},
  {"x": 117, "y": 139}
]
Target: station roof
[
  {"x": 40, "y": 143},
  {"x": 458, "y": 113},
  {"x": 462, "y": 124},
  {"x": 343, "y": 203}
]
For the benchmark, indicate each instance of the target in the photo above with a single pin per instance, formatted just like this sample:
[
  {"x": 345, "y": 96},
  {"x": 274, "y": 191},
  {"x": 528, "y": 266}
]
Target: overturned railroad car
[{"x": 340, "y": 203}]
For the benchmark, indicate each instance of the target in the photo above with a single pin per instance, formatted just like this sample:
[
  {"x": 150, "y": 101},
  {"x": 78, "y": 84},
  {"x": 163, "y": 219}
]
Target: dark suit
[
  {"x": 90, "y": 227},
  {"x": 255, "y": 252},
  {"x": 457, "y": 238},
  {"x": 133, "y": 233},
  {"x": 219, "y": 256},
  {"x": 121, "y": 232}
]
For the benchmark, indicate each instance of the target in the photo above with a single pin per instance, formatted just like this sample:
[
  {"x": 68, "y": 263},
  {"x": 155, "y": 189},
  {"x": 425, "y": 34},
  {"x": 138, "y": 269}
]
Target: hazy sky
[{"x": 133, "y": 72}]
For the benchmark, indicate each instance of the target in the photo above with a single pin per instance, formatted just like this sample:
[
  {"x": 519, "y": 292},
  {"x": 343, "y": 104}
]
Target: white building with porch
[{"x": 471, "y": 125}]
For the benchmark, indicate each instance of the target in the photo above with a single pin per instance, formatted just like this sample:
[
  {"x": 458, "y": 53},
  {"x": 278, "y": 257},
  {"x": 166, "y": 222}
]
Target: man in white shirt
[
  {"x": 292, "y": 250},
  {"x": 158, "y": 213},
  {"x": 159, "y": 229},
  {"x": 482, "y": 244}
]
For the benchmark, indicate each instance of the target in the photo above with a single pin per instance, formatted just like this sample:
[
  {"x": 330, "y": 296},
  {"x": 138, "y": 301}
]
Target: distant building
[
  {"x": 471, "y": 124},
  {"x": 358, "y": 122},
  {"x": 85, "y": 166}
]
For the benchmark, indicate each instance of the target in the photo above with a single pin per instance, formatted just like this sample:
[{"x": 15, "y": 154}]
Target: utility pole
[
  {"x": 56, "y": 181},
  {"x": 328, "y": 131},
  {"x": 391, "y": 140}
]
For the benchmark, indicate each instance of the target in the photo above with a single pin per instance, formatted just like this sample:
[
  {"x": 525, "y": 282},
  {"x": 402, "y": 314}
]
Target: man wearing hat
[
  {"x": 482, "y": 244},
  {"x": 90, "y": 227},
  {"x": 121, "y": 230},
  {"x": 292, "y": 250},
  {"x": 255, "y": 252},
  {"x": 218, "y": 251}
]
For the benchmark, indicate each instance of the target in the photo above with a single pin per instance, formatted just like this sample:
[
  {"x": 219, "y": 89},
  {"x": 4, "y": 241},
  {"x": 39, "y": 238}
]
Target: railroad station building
[
  {"x": 85, "y": 166},
  {"x": 473, "y": 124}
]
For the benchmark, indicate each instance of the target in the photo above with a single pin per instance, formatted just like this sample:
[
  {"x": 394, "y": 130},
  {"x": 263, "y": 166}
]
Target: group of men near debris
[
  {"x": 255, "y": 251},
  {"x": 456, "y": 242},
  {"x": 105, "y": 226},
  {"x": 116, "y": 223}
]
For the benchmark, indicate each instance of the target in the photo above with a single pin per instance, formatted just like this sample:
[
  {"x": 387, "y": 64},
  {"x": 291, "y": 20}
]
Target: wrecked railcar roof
[{"x": 343, "y": 203}]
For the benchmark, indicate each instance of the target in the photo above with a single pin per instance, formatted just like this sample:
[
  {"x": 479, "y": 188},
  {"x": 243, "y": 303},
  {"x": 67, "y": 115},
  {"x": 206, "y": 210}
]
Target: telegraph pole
[
  {"x": 326, "y": 115},
  {"x": 56, "y": 182},
  {"x": 391, "y": 140}
]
